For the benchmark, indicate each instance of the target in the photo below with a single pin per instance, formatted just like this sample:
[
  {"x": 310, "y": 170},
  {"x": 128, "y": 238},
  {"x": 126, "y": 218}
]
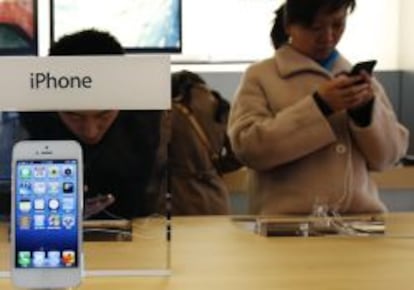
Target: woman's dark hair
[
  {"x": 223, "y": 107},
  {"x": 87, "y": 42},
  {"x": 302, "y": 12},
  {"x": 181, "y": 84}
]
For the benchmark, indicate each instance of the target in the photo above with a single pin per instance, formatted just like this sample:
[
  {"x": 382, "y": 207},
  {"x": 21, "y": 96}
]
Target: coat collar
[{"x": 290, "y": 62}]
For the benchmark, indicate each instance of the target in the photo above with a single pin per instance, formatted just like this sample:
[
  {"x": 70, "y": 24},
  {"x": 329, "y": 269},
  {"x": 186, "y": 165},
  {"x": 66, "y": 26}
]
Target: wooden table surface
[{"x": 215, "y": 253}]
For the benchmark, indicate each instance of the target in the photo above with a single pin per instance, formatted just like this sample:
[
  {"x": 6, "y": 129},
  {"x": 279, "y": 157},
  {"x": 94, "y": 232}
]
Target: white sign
[{"x": 139, "y": 82}]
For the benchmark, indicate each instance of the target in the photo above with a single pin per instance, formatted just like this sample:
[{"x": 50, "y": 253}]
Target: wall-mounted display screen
[
  {"x": 18, "y": 27},
  {"x": 139, "y": 25}
]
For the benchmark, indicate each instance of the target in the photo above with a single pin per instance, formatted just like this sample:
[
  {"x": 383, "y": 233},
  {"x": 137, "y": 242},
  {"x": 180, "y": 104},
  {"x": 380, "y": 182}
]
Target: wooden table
[
  {"x": 214, "y": 253},
  {"x": 398, "y": 178}
]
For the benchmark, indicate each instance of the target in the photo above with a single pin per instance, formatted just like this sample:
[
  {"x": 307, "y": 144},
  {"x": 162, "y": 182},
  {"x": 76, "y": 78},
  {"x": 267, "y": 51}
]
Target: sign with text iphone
[
  {"x": 54, "y": 83},
  {"x": 46, "y": 227}
]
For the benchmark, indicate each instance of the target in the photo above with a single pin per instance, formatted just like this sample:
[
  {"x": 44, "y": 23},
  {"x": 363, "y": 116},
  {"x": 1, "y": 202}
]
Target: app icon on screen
[
  {"x": 54, "y": 220},
  {"x": 53, "y": 258},
  {"x": 24, "y": 222},
  {"x": 39, "y": 171},
  {"x": 39, "y": 221},
  {"x": 53, "y": 187},
  {"x": 23, "y": 258},
  {"x": 39, "y": 258},
  {"x": 68, "y": 221},
  {"x": 67, "y": 187},
  {"x": 39, "y": 187},
  {"x": 39, "y": 204},
  {"x": 53, "y": 171},
  {"x": 68, "y": 258},
  {"x": 68, "y": 203},
  {"x": 53, "y": 204},
  {"x": 67, "y": 171},
  {"x": 25, "y": 172},
  {"x": 25, "y": 187},
  {"x": 25, "y": 205}
]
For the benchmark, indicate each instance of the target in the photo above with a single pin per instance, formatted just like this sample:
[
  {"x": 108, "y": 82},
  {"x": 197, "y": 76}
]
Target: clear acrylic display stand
[
  {"x": 143, "y": 252},
  {"x": 139, "y": 248},
  {"x": 118, "y": 247}
]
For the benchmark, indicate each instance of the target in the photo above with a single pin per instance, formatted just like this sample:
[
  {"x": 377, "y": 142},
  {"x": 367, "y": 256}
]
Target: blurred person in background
[{"x": 199, "y": 151}]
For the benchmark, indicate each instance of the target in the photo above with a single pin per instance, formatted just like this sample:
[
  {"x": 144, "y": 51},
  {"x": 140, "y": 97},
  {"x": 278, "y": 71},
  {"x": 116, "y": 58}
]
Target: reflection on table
[
  {"x": 396, "y": 188},
  {"x": 146, "y": 249},
  {"x": 224, "y": 253}
]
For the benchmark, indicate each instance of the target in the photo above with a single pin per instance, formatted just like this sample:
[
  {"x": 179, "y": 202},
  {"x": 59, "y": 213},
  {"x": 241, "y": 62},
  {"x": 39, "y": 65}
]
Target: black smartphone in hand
[{"x": 367, "y": 66}]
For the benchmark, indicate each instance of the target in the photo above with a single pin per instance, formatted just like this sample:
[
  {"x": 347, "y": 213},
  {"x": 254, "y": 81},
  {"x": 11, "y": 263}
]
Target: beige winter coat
[{"x": 298, "y": 155}]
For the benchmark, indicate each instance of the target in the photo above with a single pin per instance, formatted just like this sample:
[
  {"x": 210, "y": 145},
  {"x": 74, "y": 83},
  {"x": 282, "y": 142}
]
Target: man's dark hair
[{"x": 87, "y": 42}]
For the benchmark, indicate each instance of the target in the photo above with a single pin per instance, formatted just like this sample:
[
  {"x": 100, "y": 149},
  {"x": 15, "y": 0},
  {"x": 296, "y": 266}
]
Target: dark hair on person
[
  {"x": 223, "y": 107},
  {"x": 302, "y": 12},
  {"x": 86, "y": 42},
  {"x": 181, "y": 84}
]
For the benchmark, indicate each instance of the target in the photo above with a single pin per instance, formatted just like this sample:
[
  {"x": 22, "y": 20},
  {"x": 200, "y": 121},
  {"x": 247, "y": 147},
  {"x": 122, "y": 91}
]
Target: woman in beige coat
[{"x": 310, "y": 132}]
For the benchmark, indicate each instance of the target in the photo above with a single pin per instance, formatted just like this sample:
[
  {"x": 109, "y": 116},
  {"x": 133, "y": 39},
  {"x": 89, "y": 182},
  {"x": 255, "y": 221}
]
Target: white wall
[
  {"x": 212, "y": 33},
  {"x": 226, "y": 30},
  {"x": 220, "y": 30},
  {"x": 373, "y": 33},
  {"x": 406, "y": 50}
]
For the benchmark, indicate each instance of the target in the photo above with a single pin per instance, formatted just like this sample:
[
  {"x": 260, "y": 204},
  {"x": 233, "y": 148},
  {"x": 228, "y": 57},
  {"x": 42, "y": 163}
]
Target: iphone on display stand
[{"x": 46, "y": 219}]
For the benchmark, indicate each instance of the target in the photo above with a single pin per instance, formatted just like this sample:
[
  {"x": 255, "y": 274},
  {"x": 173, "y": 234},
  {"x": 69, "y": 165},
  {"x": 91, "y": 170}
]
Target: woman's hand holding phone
[
  {"x": 351, "y": 90},
  {"x": 347, "y": 92},
  {"x": 364, "y": 69}
]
